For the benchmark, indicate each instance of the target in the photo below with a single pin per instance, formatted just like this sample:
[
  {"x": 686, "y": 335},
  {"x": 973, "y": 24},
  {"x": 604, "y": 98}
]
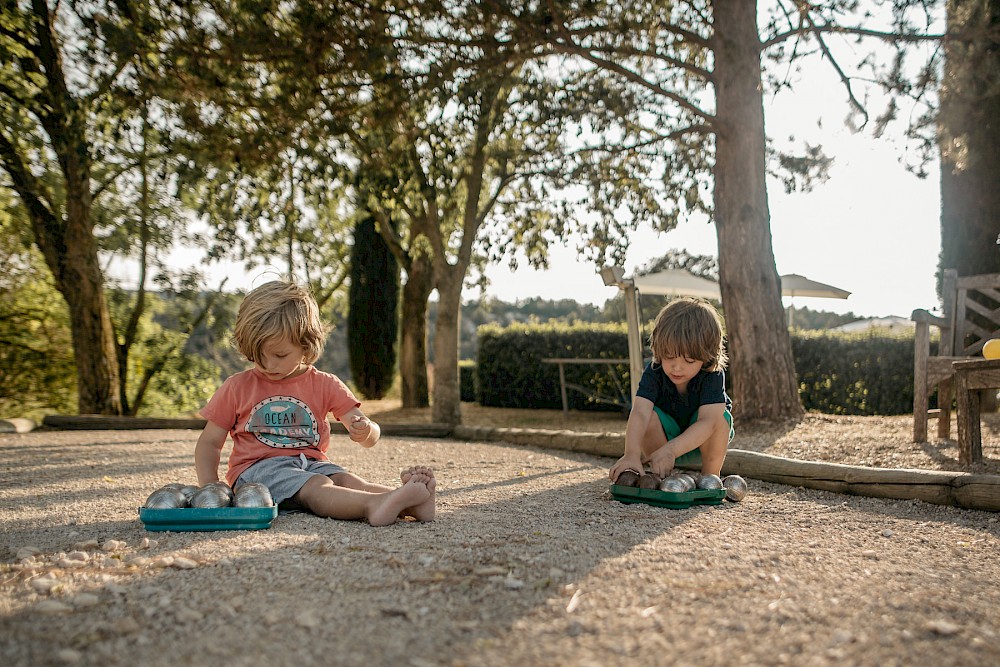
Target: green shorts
[{"x": 672, "y": 429}]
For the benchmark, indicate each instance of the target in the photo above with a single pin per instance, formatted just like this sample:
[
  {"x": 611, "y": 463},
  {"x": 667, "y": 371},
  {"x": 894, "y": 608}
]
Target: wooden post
[
  {"x": 634, "y": 336},
  {"x": 562, "y": 386},
  {"x": 921, "y": 350}
]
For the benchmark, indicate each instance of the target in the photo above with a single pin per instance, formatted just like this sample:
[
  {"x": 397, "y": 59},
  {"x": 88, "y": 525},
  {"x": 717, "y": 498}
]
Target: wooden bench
[
  {"x": 971, "y": 316},
  {"x": 623, "y": 399}
]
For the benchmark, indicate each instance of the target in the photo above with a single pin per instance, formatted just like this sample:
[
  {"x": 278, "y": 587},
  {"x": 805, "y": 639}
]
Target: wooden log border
[{"x": 956, "y": 489}]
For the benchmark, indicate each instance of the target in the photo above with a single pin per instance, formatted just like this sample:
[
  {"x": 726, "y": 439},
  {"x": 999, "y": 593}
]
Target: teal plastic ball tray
[
  {"x": 207, "y": 518},
  {"x": 669, "y": 499}
]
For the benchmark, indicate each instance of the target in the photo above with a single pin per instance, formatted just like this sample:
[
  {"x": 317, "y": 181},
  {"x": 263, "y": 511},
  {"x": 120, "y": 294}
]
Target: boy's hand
[
  {"x": 360, "y": 428},
  {"x": 662, "y": 461},
  {"x": 623, "y": 464}
]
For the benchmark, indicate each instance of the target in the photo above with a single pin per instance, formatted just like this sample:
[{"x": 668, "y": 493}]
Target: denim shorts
[{"x": 285, "y": 475}]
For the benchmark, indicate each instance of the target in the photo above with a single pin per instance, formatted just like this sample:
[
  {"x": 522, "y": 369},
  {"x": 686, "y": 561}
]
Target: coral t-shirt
[{"x": 284, "y": 417}]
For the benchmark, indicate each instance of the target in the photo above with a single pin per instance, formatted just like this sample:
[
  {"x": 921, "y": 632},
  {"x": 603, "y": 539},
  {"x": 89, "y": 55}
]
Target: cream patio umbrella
[
  {"x": 679, "y": 282},
  {"x": 793, "y": 285}
]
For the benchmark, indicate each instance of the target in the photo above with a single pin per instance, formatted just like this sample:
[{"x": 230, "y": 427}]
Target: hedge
[
  {"x": 510, "y": 372},
  {"x": 839, "y": 373}
]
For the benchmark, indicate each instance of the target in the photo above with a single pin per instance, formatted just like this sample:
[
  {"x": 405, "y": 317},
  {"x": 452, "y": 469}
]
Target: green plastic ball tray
[
  {"x": 207, "y": 518},
  {"x": 670, "y": 499}
]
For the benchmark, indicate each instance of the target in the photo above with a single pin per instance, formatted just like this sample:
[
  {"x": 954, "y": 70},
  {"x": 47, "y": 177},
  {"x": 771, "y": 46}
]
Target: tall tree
[
  {"x": 969, "y": 142},
  {"x": 479, "y": 147},
  {"x": 60, "y": 65},
  {"x": 697, "y": 69},
  {"x": 372, "y": 317}
]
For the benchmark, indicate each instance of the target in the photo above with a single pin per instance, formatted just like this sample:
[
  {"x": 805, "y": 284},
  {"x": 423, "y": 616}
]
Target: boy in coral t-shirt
[{"x": 276, "y": 413}]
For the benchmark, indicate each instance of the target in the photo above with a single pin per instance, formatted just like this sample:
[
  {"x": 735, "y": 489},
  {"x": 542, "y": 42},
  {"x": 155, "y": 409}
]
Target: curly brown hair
[
  {"x": 689, "y": 328},
  {"x": 279, "y": 310}
]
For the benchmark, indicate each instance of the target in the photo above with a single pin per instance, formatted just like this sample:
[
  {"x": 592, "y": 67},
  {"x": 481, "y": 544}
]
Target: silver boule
[
  {"x": 709, "y": 482},
  {"x": 211, "y": 495},
  {"x": 253, "y": 494},
  {"x": 673, "y": 484},
  {"x": 166, "y": 498},
  {"x": 687, "y": 479},
  {"x": 222, "y": 486},
  {"x": 736, "y": 487},
  {"x": 189, "y": 490}
]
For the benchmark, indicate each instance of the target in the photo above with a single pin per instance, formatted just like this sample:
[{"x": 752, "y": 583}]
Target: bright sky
[{"x": 872, "y": 229}]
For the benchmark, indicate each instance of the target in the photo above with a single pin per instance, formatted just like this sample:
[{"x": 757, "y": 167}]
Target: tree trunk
[
  {"x": 413, "y": 340},
  {"x": 760, "y": 349},
  {"x": 81, "y": 283},
  {"x": 447, "y": 405},
  {"x": 66, "y": 238},
  {"x": 970, "y": 141}
]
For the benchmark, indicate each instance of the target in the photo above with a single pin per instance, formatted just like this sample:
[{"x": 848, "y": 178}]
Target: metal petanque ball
[
  {"x": 674, "y": 484},
  {"x": 687, "y": 479},
  {"x": 166, "y": 498},
  {"x": 649, "y": 481},
  {"x": 212, "y": 495},
  {"x": 736, "y": 487},
  {"x": 628, "y": 478},
  {"x": 709, "y": 481},
  {"x": 189, "y": 490},
  {"x": 222, "y": 486},
  {"x": 252, "y": 494}
]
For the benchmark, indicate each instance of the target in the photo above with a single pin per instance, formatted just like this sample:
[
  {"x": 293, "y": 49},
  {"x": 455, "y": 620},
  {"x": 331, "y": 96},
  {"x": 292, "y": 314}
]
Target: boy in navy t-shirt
[{"x": 684, "y": 387}]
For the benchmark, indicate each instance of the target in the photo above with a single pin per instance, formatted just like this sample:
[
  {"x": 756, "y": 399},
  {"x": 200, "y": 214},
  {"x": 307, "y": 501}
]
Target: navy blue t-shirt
[{"x": 705, "y": 388}]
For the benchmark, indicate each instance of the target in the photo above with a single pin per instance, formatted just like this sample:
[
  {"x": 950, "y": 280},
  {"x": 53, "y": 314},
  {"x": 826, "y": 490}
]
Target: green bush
[
  {"x": 854, "y": 374},
  {"x": 839, "y": 373},
  {"x": 511, "y": 373},
  {"x": 467, "y": 380}
]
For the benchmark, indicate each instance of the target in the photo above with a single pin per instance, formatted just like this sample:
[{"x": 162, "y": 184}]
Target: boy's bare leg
[
  {"x": 424, "y": 511},
  {"x": 324, "y": 498},
  {"x": 713, "y": 451},
  {"x": 352, "y": 481}
]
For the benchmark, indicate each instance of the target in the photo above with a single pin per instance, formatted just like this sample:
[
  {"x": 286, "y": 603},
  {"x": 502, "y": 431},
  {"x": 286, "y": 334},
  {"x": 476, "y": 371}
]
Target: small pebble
[
  {"x": 86, "y": 600},
  {"x": 69, "y": 656},
  {"x": 44, "y": 583},
  {"x": 182, "y": 563},
  {"x": 113, "y": 545},
  {"x": 943, "y": 628},
  {"x": 52, "y": 607},
  {"x": 25, "y": 553}
]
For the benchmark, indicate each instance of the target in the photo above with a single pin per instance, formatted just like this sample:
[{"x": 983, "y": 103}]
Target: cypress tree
[{"x": 372, "y": 321}]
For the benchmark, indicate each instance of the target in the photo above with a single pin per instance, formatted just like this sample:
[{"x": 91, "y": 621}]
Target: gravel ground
[{"x": 529, "y": 562}]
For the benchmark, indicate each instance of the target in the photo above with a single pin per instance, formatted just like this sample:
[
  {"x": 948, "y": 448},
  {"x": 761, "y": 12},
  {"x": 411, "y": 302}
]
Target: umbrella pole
[{"x": 634, "y": 337}]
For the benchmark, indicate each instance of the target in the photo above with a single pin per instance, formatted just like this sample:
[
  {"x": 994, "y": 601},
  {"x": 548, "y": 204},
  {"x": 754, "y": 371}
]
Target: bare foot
[
  {"x": 390, "y": 505},
  {"x": 425, "y": 510}
]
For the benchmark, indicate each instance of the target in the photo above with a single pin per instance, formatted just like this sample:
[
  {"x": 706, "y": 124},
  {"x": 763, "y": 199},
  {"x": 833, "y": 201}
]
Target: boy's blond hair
[
  {"x": 689, "y": 328},
  {"x": 279, "y": 310}
]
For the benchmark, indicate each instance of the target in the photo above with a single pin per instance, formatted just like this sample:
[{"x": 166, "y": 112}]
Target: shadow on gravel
[{"x": 312, "y": 591}]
